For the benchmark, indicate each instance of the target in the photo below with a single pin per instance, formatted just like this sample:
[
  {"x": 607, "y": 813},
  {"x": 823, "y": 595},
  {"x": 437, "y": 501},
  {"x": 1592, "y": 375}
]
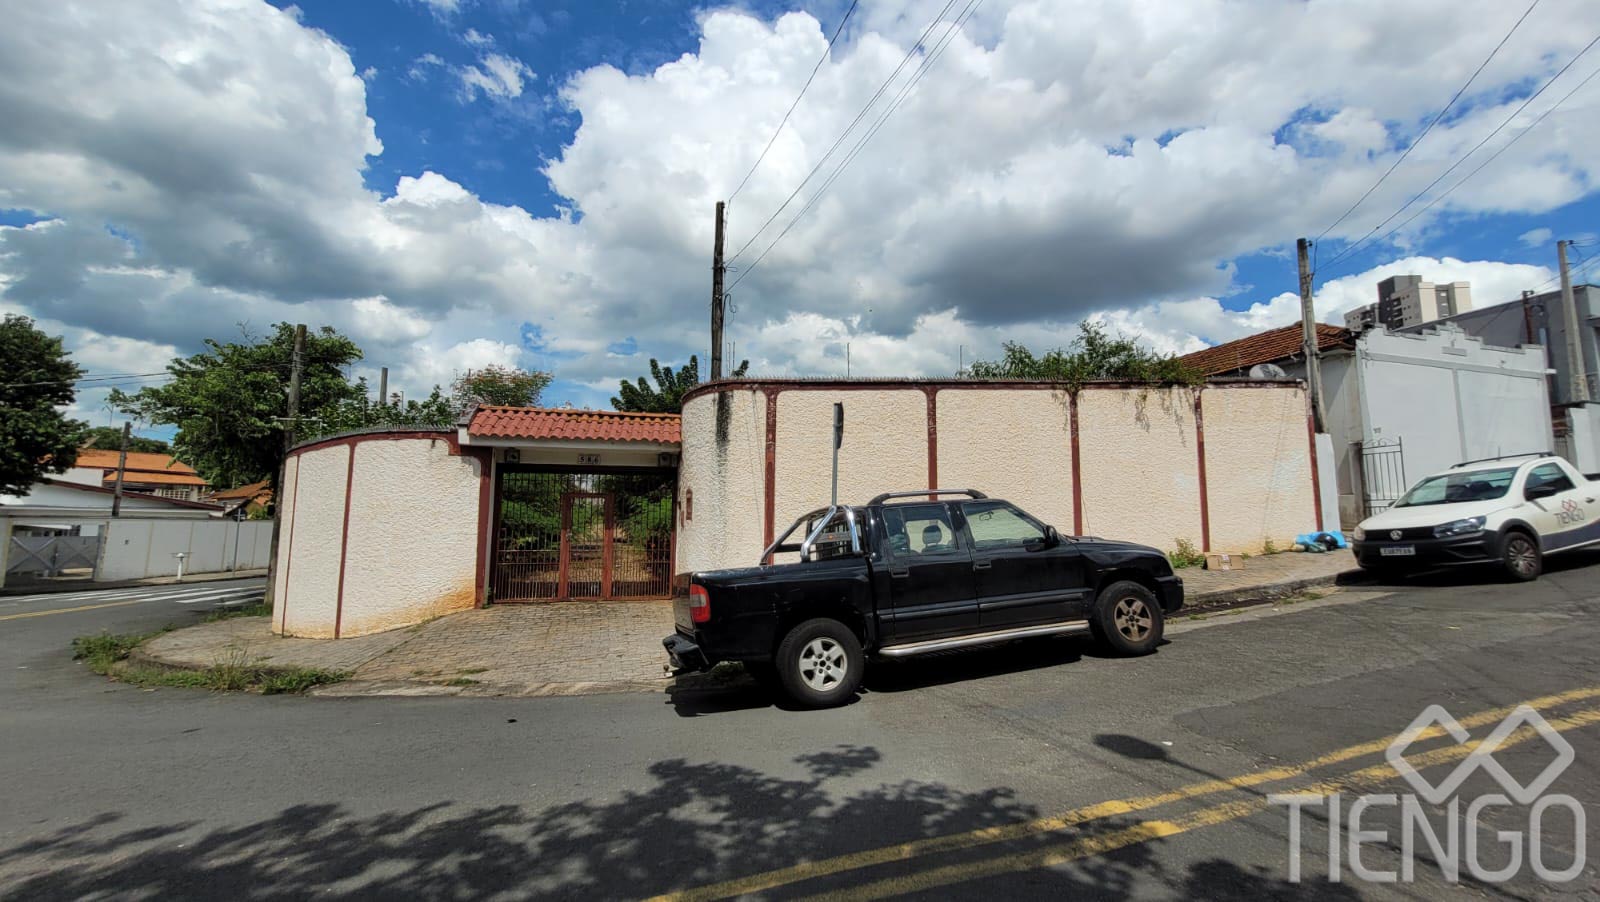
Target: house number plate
[{"x": 589, "y": 459}]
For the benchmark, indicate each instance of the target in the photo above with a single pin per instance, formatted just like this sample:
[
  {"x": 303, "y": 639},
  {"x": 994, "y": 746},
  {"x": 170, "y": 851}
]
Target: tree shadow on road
[{"x": 691, "y": 824}]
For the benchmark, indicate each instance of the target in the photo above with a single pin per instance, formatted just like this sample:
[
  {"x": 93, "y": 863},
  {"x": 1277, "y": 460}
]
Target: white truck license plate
[{"x": 1398, "y": 551}]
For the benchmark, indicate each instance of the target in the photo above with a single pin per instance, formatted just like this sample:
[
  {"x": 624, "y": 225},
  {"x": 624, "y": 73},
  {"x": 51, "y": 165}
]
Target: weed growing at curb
[
  {"x": 462, "y": 681},
  {"x": 1186, "y": 556},
  {"x": 257, "y": 609},
  {"x": 107, "y": 654}
]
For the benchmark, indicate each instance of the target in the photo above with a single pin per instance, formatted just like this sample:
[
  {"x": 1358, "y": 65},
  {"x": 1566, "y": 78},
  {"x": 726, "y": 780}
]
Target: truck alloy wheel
[
  {"x": 1521, "y": 557},
  {"x": 820, "y": 663},
  {"x": 1128, "y": 618}
]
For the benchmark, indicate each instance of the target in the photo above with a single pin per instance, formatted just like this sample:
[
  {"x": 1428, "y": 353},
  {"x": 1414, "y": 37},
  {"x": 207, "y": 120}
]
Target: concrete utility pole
[
  {"x": 296, "y": 366},
  {"x": 717, "y": 269},
  {"x": 383, "y": 387},
  {"x": 122, "y": 467},
  {"x": 1308, "y": 328},
  {"x": 1569, "y": 307}
]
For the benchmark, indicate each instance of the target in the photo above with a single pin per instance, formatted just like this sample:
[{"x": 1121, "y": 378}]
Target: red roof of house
[
  {"x": 574, "y": 425},
  {"x": 1265, "y": 347},
  {"x": 143, "y": 467}
]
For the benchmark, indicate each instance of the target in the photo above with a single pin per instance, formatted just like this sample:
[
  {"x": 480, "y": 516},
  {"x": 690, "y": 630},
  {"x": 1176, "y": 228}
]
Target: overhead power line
[
  {"x": 803, "y": 88},
  {"x": 1492, "y": 157},
  {"x": 1418, "y": 139},
  {"x": 837, "y": 142},
  {"x": 927, "y": 63},
  {"x": 1453, "y": 166}
]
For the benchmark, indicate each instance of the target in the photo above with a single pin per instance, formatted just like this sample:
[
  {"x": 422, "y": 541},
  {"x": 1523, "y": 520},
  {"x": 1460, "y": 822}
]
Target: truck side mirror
[{"x": 1051, "y": 537}]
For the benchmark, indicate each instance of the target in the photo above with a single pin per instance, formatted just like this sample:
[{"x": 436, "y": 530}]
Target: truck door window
[
  {"x": 995, "y": 524},
  {"x": 915, "y": 529},
  {"x": 1548, "y": 474}
]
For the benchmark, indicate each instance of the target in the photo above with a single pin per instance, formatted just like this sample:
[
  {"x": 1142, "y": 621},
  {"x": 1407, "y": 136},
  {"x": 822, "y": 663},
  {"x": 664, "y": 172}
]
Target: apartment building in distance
[{"x": 1405, "y": 301}]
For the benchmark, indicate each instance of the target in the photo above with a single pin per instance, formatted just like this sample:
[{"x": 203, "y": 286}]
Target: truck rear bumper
[{"x": 684, "y": 654}]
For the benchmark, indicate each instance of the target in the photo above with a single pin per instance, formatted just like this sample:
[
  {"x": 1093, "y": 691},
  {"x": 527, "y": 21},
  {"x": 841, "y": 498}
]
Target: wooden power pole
[
  {"x": 717, "y": 269},
  {"x": 1308, "y": 328},
  {"x": 122, "y": 467},
  {"x": 297, "y": 362},
  {"x": 1579, "y": 390}
]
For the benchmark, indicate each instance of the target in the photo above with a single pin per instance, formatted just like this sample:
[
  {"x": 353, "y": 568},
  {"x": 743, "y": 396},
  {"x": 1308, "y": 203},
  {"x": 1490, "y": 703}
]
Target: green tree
[
  {"x": 362, "y": 412},
  {"x": 36, "y": 438},
  {"x": 230, "y": 402},
  {"x": 1094, "y": 354},
  {"x": 667, "y": 395},
  {"x": 504, "y": 386},
  {"x": 110, "y": 438}
]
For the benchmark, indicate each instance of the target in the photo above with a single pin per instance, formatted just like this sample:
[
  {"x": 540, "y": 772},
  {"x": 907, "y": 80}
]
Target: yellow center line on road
[
  {"x": 903, "y": 851},
  {"x": 86, "y": 607},
  {"x": 1145, "y": 831}
]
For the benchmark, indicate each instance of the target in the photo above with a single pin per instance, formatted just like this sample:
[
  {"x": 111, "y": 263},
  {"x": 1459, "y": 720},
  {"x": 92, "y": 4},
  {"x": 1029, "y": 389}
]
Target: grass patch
[
  {"x": 462, "y": 681},
  {"x": 257, "y": 609},
  {"x": 471, "y": 670},
  {"x": 104, "y": 651},
  {"x": 1186, "y": 556},
  {"x": 1268, "y": 547},
  {"x": 107, "y": 654}
]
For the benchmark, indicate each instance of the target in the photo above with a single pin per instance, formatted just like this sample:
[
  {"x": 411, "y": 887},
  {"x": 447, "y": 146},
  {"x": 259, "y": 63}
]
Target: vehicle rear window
[
  {"x": 835, "y": 539},
  {"x": 1451, "y": 488},
  {"x": 919, "y": 529}
]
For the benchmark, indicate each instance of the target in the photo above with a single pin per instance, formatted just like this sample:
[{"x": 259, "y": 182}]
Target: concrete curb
[{"x": 1258, "y": 594}]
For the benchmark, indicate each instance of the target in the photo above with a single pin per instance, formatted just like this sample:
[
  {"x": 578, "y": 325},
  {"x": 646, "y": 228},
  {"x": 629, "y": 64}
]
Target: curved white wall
[{"x": 399, "y": 519}]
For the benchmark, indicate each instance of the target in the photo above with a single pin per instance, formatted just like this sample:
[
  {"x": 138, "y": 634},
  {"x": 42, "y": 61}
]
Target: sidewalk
[{"x": 580, "y": 648}]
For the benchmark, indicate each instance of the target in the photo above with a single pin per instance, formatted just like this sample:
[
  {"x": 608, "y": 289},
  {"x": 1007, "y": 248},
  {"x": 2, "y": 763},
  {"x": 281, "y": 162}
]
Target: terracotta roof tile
[
  {"x": 574, "y": 425},
  {"x": 1265, "y": 347},
  {"x": 137, "y": 460},
  {"x": 153, "y": 477},
  {"x": 245, "y": 491}
]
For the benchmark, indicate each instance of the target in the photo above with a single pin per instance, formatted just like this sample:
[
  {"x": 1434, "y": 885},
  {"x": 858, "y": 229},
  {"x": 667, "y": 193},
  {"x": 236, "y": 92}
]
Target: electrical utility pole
[
  {"x": 1569, "y": 307},
  {"x": 296, "y": 366},
  {"x": 383, "y": 387},
  {"x": 122, "y": 467},
  {"x": 1308, "y": 329},
  {"x": 717, "y": 269}
]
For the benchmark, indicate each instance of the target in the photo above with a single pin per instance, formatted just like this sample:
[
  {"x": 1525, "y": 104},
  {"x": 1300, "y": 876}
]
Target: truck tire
[
  {"x": 1520, "y": 557},
  {"x": 820, "y": 663},
  {"x": 1128, "y": 618}
]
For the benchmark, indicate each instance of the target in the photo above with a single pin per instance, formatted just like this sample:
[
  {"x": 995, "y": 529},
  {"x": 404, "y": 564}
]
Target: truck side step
[{"x": 1064, "y": 628}]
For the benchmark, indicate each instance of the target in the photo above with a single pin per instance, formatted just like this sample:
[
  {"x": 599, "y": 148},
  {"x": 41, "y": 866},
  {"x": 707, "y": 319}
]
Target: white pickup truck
[{"x": 1510, "y": 511}]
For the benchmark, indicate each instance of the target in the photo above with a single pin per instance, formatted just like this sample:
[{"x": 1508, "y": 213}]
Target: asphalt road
[{"x": 1036, "y": 769}]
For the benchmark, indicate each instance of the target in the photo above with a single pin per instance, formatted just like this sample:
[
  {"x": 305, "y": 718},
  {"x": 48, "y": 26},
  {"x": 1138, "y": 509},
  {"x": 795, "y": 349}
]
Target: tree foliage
[
  {"x": 670, "y": 387},
  {"x": 499, "y": 385},
  {"x": 36, "y": 438},
  {"x": 230, "y": 402},
  {"x": 1094, "y": 354},
  {"x": 362, "y": 412},
  {"x": 109, "y": 438}
]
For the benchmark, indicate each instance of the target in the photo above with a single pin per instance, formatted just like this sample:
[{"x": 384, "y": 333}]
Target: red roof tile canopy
[
  {"x": 1266, "y": 347},
  {"x": 574, "y": 425}
]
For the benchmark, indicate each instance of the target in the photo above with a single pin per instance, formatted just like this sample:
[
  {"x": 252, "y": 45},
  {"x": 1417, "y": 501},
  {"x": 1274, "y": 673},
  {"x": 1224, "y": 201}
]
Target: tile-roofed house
[
  {"x": 253, "y": 497},
  {"x": 562, "y": 424},
  {"x": 145, "y": 472},
  {"x": 1236, "y": 357}
]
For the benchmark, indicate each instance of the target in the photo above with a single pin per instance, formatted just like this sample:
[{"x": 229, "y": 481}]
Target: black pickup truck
[{"x": 907, "y": 574}]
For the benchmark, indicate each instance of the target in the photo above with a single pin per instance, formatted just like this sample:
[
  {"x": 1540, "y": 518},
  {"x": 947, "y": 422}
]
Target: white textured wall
[
  {"x": 1258, "y": 467},
  {"x": 1140, "y": 468},
  {"x": 885, "y": 447},
  {"x": 413, "y": 544},
  {"x": 728, "y": 480},
  {"x": 1009, "y": 444},
  {"x": 310, "y": 559}
]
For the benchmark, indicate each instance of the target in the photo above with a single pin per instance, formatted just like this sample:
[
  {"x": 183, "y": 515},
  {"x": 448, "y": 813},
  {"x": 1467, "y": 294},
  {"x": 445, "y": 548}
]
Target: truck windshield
[{"x": 1450, "y": 488}]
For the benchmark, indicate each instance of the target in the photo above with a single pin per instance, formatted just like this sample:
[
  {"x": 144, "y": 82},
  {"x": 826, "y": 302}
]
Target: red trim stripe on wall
[
  {"x": 932, "y": 393},
  {"x": 1077, "y": 469},
  {"x": 770, "y": 490},
  {"x": 1200, "y": 451},
  {"x": 282, "y": 598},
  {"x": 344, "y": 539}
]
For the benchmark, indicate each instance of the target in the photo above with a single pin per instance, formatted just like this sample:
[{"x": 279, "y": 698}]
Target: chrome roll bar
[{"x": 825, "y": 515}]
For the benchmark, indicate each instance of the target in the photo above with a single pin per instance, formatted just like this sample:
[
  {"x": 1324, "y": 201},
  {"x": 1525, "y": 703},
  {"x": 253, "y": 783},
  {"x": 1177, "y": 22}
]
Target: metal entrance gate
[
  {"x": 1383, "y": 475},
  {"x": 594, "y": 536}
]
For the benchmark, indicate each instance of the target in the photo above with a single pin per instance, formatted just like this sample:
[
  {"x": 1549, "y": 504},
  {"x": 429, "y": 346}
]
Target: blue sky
[{"x": 462, "y": 182}]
